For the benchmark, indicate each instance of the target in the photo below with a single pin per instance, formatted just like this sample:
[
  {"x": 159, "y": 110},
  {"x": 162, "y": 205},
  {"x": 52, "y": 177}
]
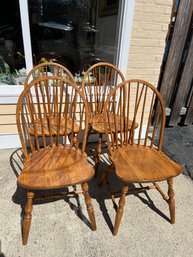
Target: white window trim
[
  {"x": 10, "y": 93},
  {"x": 23, "y": 6},
  {"x": 14, "y": 91},
  {"x": 126, "y": 13}
]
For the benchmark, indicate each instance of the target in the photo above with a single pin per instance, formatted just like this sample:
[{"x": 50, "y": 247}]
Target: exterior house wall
[
  {"x": 7, "y": 119},
  {"x": 150, "y": 26},
  {"x": 8, "y": 130},
  {"x": 149, "y": 29}
]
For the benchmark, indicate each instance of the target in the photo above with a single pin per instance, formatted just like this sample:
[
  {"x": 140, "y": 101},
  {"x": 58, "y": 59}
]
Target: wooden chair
[
  {"x": 57, "y": 163},
  {"x": 97, "y": 83},
  {"x": 138, "y": 161},
  {"x": 49, "y": 69}
]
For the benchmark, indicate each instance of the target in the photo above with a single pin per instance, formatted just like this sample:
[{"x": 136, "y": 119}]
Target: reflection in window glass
[
  {"x": 75, "y": 33},
  {"x": 12, "y": 59}
]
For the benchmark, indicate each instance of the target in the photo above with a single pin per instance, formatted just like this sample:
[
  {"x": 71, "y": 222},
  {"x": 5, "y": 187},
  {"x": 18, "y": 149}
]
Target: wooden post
[
  {"x": 184, "y": 88},
  {"x": 176, "y": 49}
]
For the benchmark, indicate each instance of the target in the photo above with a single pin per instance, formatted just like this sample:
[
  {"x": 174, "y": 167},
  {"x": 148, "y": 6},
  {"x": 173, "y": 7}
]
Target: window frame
[{"x": 10, "y": 93}]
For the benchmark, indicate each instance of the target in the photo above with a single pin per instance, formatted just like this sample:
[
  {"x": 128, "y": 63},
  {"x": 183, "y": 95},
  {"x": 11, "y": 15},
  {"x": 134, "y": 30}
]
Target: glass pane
[
  {"x": 12, "y": 59},
  {"x": 75, "y": 33}
]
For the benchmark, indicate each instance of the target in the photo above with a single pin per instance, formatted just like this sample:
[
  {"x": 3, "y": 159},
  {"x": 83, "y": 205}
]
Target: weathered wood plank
[
  {"x": 189, "y": 115},
  {"x": 184, "y": 87},
  {"x": 176, "y": 49}
]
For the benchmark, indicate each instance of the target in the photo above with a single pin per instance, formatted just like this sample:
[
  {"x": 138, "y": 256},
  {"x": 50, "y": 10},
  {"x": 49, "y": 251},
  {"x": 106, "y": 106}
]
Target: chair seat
[
  {"x": 51, "y": 124},
  {"x": 53, "y": 168},
  {"x": 98, "y": 123},
  {"x": 143, "y": 164}
]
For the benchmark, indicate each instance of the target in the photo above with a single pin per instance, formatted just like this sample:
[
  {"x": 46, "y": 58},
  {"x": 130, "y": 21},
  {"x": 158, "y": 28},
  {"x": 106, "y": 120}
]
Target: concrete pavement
[{"x": 60, "y": 229}]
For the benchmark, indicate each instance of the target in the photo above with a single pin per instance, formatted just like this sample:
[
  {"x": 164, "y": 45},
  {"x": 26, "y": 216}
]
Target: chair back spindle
[
  {"x": 129, "y": 103},
  {"x": 97, "y": 83},
  {"x": 52, "y": 112},
  {"x": 49, "y": 69}
]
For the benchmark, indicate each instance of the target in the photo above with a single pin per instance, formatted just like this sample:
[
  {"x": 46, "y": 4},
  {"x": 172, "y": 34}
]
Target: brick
[
  {"x": 151, "y": 26},
  {"x": 143, "y": 64},
  {"x": 156, "y": 71},
  {"x": 162, "y": 43},
  {"x": 157, "y": 35},
  {"x": 164, "y": 27},
  {"x": 151, "y": 19},
  {"x": 143, "y": 77},
  {"x": 140, "y": 71},
  {"x": 139, "y": 7},
  {"x": 141, "y": 17},
  {"x": 145, "y": 1},
  {"x": 136, "y": 25},
  {"x": 146, "y": 50},
  {"x": 159, "y": 58},
  {"x": 164, "y": 2},
  {"x": 158, "y": 50},
  {"x": 163, "y": 18},
  {"x": 142, "y": 57},
  {"x": 137, "y": 50},
  {"x": 152, "y": 8},
  {"x": 152, "y": 80},
  {"x": 140, "y": 34},
  {"x": 144, "y": 43},
  {"x": 168, "y": 10}
]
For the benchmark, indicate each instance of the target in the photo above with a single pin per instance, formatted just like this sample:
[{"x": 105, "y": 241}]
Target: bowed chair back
[
  {"x": 49, "y": 69},
  {"x": 132, "y": 103},
  {"x": 98, "y": 81},
  {"x": 136, "y": 153},
  {"x": 52, "y": 121},
  {"x": 51, "y": 107}
]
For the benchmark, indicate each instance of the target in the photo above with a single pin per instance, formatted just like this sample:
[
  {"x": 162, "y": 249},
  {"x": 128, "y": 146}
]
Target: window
[
  {"x": 75, "y": 33},
  {"x": 11, "y": 45},
  {"x": 72, "y": 32}
]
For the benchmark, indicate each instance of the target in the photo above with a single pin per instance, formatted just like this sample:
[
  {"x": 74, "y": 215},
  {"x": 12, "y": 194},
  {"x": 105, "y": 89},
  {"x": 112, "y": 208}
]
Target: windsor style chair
[
  {"x": 58, "y": 162},
  {"x": 97, "y": 83},
  {"x": 49, "y": 69},
  {"x": 138, "y": 161}
]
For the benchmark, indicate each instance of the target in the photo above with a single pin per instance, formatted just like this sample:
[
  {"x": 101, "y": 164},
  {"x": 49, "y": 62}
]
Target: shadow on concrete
[
  {"x": 151, "y": 205},
  {"x": 20, "y": 195},
  {"x": 100, "y": 194},
  {"x": 77, "y": 208},
  {"x": 16, "y": 161},
  {"x": 103, "y": 193}
]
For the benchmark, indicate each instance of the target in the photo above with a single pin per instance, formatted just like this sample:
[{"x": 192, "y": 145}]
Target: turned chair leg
[
  {"x": 89, "y": 205},
  {"x": 120, "y": 209},
  {"x": 27, "y": 217},
  {"x": 97, "y": 158},
  {"x": 171, "y": 200}
]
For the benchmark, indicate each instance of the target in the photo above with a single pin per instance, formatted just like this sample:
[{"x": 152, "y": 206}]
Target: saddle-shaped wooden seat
[
  {"x": 53, "y": 137},
  {"x": 136, "y": 154},
  {"x": 55, "y": 168}
]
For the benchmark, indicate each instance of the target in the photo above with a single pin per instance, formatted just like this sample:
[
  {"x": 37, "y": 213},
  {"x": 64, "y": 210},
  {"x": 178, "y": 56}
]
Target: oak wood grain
[
  {"x": 138, "y": 160},
  {"x": 97, "y": 83},
  {"x": 58, "y": 160}
]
